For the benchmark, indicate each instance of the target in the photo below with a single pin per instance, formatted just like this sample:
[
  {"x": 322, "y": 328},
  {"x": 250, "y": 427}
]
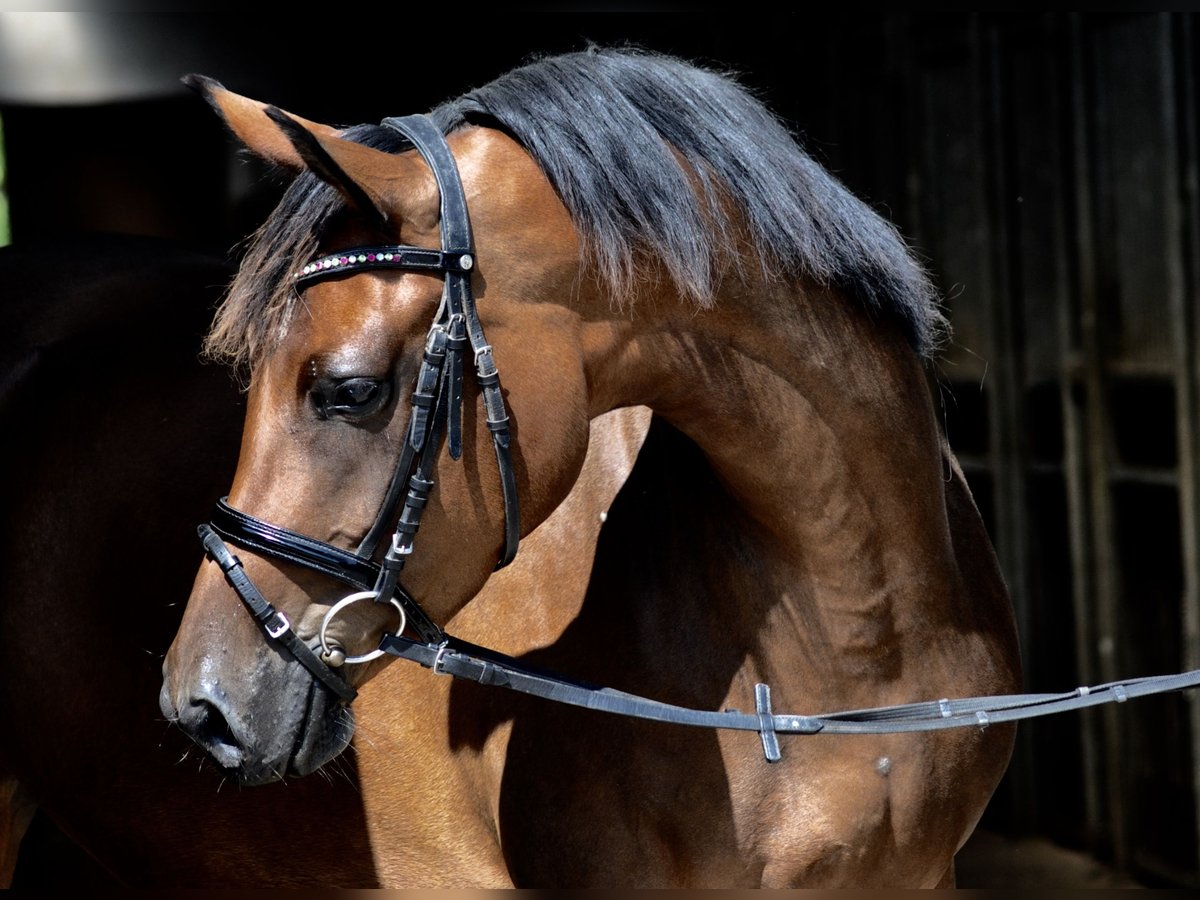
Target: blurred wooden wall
[{"x": 1046, "y": 167}]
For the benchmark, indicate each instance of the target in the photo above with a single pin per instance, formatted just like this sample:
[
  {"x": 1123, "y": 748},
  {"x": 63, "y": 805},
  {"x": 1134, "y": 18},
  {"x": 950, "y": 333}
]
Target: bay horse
[
  {"x": 637, "y": 232},
  {"x": 114, "y": 434}
]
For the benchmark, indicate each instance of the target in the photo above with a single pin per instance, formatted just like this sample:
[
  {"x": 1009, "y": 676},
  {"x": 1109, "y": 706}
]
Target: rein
[
  {"x": 436, "y": 417},
  {"x": 484, "y": 666}
]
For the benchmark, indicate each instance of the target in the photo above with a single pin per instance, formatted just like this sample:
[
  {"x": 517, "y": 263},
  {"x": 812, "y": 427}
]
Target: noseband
[{"x": 436, "y": 416}]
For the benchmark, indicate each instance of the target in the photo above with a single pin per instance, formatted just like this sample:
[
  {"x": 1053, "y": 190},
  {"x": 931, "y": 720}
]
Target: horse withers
[{"x": 600, "y": 231}]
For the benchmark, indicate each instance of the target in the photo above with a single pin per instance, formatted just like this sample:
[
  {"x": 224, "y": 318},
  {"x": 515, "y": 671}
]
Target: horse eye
[{"x": 351, "y": 398}]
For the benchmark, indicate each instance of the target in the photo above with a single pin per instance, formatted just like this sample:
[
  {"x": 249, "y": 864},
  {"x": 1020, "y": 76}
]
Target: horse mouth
[{"x": 324, "y": 732}]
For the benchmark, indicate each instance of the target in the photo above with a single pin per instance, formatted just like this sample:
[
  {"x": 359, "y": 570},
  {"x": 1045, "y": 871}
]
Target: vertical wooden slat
[
  {"x": 1008, "y": 449},
  {"x": 1061, "y": 762},
  {"x": 1004, "y": 365},
  {"x": 1131, "y": 378},
  {"x": 1074, "y": 390},
  {"x": 1099, "y": 586},
  {"x": 1141, "y": 266},
  {"x": 1184, "y": 329}
]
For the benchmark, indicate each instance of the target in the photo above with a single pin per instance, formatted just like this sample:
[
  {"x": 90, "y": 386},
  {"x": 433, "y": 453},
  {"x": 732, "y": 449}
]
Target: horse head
[{"x": 328, "y": 415}]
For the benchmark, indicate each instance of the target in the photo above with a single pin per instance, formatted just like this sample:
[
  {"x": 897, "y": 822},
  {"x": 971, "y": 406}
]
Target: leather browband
[{"x": 391, "y": 256}]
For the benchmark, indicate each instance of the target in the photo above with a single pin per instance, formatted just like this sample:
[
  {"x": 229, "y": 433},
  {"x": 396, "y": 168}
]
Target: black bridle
[{"x": 436, "y": 416}]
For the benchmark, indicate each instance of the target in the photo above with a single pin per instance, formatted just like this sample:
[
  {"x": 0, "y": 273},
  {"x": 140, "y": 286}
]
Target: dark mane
[{"x": 653, "y": 158}]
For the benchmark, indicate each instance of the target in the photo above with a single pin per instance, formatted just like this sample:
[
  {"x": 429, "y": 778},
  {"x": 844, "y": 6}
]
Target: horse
[
  {"x": 117, "y": 435},
  {"x": 610, "y": 230}
]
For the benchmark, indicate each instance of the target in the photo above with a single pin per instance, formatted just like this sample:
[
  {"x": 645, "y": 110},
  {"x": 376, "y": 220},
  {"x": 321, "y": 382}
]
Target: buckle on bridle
[
  {"x": 281, "y": 626},
  {"x": 486, "y": 348},
  {"x": 436, "y": 667}
]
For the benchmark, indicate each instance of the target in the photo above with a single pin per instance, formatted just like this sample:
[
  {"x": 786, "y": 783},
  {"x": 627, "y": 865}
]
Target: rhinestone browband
[{"x": 399, "y": 257}]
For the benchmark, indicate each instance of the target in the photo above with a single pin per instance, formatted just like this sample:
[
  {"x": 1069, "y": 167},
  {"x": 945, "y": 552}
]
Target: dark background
[{"x": 1046, "y": 169}]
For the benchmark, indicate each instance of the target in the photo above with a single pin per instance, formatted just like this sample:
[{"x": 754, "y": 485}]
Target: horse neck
[{"x": 817, "y": 424}]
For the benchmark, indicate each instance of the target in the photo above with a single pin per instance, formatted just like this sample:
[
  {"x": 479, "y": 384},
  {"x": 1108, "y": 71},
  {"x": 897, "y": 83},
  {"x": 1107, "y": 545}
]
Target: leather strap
[
  {"x": 428, "y": 140},
  {"x": 424, "y": 399},
  {"x": 468, "y": 661},
  {"x": 280, "y": 543}
]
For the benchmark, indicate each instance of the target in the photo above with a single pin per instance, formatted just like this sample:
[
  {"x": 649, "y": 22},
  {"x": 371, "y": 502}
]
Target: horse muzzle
[{"x": 288, "y": 725}]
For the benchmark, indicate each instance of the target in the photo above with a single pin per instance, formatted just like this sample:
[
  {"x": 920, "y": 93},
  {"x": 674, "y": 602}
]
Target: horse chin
[{"x": 324, "y": 733}]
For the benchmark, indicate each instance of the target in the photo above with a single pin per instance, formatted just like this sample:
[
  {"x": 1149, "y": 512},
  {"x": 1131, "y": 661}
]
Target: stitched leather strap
[
  {"x": 428, "y": 140},
  {"x": 424, "y": 398},
  {"x": 254, "y": 534},
  {"x": 464, "y": 660}
]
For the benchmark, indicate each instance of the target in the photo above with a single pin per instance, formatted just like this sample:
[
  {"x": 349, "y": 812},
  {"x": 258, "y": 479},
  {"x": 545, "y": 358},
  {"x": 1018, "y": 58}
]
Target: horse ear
[
  {"x": 247, "y": 119},
  {"x": 371, "y": 180},
  {"x": 368, "y": 179},
  {"x": 328, "y": 157}
]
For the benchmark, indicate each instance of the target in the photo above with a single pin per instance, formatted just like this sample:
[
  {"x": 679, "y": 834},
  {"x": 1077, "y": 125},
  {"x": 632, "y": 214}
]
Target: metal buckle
[
  {"x": 283, "y": 626},
  {"x": 436, "y": 668},
  {"x": 431, "y": 336}
]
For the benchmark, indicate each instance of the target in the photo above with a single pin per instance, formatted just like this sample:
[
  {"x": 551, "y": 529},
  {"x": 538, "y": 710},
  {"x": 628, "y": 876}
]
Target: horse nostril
[{"x": 210, "y": 729}]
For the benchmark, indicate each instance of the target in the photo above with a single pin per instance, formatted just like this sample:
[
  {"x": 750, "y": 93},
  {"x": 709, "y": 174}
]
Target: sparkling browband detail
[
  {"x": 387, "y": 258},
  {"x": 330, "y": 262}
]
